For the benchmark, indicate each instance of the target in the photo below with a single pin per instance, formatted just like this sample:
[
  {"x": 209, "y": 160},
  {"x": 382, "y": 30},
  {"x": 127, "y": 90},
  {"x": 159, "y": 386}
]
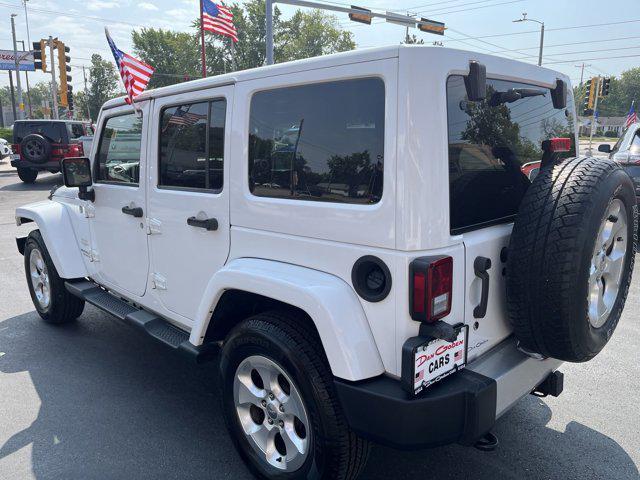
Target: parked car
[
  {"x": 39, "y": 145},
  {"x": 626, "y": 152},
  {"x": 356, "y": 238},
  {"x": 5, "y": 148}
]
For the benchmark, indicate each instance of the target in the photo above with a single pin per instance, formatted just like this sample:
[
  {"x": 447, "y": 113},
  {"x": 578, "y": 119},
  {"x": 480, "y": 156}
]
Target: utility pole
[
  {"x": 54, "y": 86},
  {"x": 86, "y": 93},
  {"x": 595, "y": 113},
  {"x": 13, "y": 96},
  {"x": 269, "y": 31},
  {"x": 26, "y": 76},
  {"x": 17, "y": 64},
  {"x": 582, "y": 71}
]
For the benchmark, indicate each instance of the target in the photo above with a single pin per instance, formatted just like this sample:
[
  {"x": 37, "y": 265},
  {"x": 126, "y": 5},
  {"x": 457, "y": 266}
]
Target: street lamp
[{"x": 525, "y": 19}]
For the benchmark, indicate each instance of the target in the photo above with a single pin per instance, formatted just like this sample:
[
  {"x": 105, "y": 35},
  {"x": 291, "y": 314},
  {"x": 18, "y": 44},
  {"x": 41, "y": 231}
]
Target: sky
[{"x": 574, "y": 30}]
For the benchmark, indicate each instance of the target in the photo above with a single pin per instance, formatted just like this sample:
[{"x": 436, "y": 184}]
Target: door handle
[
  {"x": 480, "y": 267},
  {"x": 210, "y": 224},
  {"x": 133, "y": 211}
]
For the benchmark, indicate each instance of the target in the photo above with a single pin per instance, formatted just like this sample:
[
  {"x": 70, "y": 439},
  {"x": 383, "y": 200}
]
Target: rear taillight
[
  {"x": 75, "y": 150},
  {"x": 431, "y": 283},
  {"x": 15, "y": 148},
  {"x": 560, "y": 144}
]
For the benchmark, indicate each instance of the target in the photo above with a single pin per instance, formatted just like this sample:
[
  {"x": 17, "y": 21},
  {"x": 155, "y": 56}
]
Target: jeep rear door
[
  {"x": 492, "y": 146},
  {"x": 188, "y": 197},
  {"x": 118, "y": 227}
]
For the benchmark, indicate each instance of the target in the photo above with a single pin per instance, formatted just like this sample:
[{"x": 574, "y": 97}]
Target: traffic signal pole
[
  {"x": 54, "y": 86},
  {"x": 595, "y": 111}
]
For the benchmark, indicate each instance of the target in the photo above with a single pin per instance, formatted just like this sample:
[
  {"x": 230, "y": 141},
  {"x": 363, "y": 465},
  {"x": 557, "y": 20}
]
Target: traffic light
[
  {"x": 363, "y": 17},
  {"x": 63, "y": 65},
  {"x": 431, "y": 26},
  {"x": 70, "y": 97},
  {"x": 605, "y": 86},
  {"x": 40, "y": 55},
  {"x": 590, "y": 96}
]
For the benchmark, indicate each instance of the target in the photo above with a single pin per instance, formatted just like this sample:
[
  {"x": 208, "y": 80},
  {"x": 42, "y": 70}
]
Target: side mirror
[
  {"x": 605, "y": 148},
  {"x": 476, "y": 82},
  {"x": 559, "y": 95},
  {"x": 76, "y": 172}
]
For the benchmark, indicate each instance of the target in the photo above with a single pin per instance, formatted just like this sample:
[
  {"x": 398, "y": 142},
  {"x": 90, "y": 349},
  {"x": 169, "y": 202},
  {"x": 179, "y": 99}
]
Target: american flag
[
  {"x": 135, "y": 73},
  {"x": 218, "y": 19},
  {"x": 632, "y": 117},
  {"x": 183, "y": 117},
  {"x": 457, "y": 356}
]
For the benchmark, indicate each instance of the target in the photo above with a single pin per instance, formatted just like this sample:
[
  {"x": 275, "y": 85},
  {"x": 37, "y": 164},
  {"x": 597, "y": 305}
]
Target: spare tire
[
  {"x": 570, "y": 258},
  {"x": 35, "y": 148}
]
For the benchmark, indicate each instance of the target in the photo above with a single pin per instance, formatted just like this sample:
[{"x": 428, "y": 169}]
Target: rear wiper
[{"x": 513, "y": 94}]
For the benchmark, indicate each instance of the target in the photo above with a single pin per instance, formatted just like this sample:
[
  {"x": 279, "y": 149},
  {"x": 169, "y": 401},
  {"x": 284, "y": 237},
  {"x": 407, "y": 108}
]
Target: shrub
[
  {"x": 7, "y": 134},
  {"x": 611, "y": 134}
]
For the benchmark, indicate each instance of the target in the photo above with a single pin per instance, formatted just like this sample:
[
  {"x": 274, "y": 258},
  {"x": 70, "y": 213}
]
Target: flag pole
[
  {"x": 203, "y": 54},
  {"x": 233, "y": 54}
]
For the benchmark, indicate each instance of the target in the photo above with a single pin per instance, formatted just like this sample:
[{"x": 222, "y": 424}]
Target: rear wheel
[
  {"x": 27, "y": 175},
  {"x": 48, "y": 293},
  {"x": 279, "y": 402},
  {"x": 571, "y": 257}
]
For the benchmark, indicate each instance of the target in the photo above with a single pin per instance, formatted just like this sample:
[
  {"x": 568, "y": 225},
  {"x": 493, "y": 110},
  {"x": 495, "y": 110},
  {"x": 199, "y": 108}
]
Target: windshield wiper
[{"x": 513, "y": 95}]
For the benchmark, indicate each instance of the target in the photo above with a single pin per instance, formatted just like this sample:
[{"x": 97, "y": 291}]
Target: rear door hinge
[
  {"x": 153, "y": 226},
  {"x": 158, "y": 281}
]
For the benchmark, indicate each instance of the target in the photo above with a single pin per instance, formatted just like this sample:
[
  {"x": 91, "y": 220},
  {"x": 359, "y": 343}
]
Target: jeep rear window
[
  {"x": 494, "y": 151},
  {"x": 320, "y": 142},
  {"x": 55, "y": 132}
]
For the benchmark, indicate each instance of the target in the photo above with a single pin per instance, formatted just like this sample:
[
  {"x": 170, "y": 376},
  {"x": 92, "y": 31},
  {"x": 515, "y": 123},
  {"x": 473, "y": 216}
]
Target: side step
[{"x": 150, "y": 323}]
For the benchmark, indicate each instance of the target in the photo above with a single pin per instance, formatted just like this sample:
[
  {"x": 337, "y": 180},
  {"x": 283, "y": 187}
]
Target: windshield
[{"x": 495, "y": 144}]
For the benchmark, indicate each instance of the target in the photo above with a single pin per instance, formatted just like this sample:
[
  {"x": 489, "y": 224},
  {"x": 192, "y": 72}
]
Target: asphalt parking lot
[{"x": 98, "y": 400}]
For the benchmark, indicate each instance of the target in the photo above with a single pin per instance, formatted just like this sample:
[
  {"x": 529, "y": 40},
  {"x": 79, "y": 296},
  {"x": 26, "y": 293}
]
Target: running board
[{"x": 150, "y": 323}]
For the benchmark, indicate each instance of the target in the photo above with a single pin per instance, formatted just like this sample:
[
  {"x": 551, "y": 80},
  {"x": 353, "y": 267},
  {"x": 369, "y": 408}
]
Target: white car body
[
  {"x": 180, "y": 273},
  {"x": 5, "y": 148}
]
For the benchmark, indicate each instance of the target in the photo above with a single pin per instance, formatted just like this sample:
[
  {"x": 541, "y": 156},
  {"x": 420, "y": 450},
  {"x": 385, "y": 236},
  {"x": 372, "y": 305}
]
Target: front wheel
[
  {"x": 50, "y": 297},
  {"x": 280, "y": 405},
  {"x": 27, "y": 175}
]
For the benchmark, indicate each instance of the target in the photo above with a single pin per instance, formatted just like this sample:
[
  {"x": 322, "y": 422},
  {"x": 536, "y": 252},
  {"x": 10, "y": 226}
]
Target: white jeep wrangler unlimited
[{"x": 402, "y": 234}]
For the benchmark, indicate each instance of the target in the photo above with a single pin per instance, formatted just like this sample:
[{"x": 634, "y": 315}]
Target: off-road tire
[
  {"x": 63, "y": 307},
  {"x": 27, "y": 175},
  {"x": 550, "y": 255},
  {"x": 286, "y": 338},
  {"x": 35, "y": 148}
]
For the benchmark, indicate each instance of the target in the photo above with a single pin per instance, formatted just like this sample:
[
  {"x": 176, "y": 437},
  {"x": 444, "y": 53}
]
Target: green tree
[
  {"x": 103, "y": 84},
  {"x": 311, "y": 34},
  {"x": 174, "y": 55}
]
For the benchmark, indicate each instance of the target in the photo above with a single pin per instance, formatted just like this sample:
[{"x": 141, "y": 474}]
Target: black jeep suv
[{"x": 41, "y": 144}]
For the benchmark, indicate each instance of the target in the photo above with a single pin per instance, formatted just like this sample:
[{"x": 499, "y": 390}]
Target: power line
[
  {"x": 595, "y": 58},
  {"x": 579, "y": 51}
]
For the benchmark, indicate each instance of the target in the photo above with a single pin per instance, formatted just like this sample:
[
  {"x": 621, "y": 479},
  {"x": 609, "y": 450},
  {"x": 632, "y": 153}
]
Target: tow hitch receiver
[{"x": 552, "y": 385}]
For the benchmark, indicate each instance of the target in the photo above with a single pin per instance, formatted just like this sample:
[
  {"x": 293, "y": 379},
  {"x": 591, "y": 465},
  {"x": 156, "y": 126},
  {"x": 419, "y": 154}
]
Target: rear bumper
[
  {"x": 459, "y": 409},
  {"x": 51, "y": 166}
]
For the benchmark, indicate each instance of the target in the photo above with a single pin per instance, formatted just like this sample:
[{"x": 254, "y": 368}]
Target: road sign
[
  {"x": 8, "y": 62},
  {"x": 403, "y": 20}
]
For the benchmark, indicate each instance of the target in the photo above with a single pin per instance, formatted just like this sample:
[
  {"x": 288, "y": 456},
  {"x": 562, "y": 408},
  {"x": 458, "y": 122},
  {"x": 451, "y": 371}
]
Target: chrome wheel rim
[
  {"x": 607, "y": 263},
  {"x": 39, "y": 278},
  {"x": 271, "y": 413}
]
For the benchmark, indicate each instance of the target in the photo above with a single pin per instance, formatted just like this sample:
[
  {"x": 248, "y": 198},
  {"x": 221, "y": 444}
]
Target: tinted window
[
  {"x": 55, "y": 132},
  {"x": 320, "y": 142},
  {"x": 493, "y": 147},
  {"x": 119, "y": 150},
  {"x": 192, "y": 146},
  {"x": 75, "y": 130}
]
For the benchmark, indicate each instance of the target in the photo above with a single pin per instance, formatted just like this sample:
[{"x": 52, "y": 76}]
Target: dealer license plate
[
  {"x": 438, "y": 359},
  {"x": 15, "y": 156}
]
